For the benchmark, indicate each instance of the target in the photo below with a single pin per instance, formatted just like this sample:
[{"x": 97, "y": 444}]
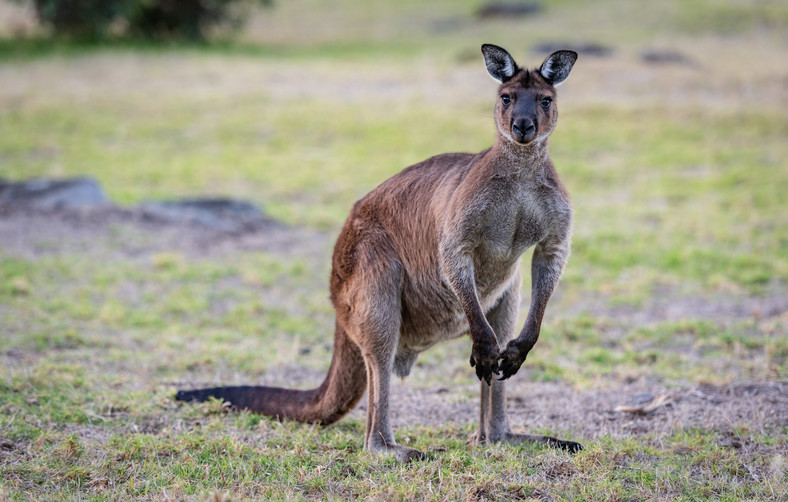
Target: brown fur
[{"x": 434, "y": 253}]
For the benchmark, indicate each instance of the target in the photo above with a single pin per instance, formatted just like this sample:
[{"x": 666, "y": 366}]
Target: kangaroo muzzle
[{"x": 523, "y": 130}]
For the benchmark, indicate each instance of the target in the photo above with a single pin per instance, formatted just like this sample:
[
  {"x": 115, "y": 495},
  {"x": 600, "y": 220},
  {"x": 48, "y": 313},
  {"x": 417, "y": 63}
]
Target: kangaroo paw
[
  {"x": 485, "y": 359},
  {"x": 511, "y": 360}
]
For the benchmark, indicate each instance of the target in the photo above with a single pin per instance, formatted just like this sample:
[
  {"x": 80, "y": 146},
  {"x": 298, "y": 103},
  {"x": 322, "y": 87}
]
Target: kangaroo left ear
[{"x": 557, "y": 66}]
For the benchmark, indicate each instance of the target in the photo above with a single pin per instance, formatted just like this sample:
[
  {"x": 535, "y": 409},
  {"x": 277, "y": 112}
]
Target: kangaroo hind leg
[{"x": 373, "y": 322}]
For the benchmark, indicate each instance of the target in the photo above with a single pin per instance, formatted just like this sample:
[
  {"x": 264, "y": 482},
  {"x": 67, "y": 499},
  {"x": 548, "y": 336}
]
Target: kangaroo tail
[{"x": 339, "y": 393}]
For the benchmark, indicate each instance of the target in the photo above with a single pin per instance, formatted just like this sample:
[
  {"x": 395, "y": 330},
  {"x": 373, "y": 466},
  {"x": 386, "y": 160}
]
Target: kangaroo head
[{"x": 525, "y": 111}]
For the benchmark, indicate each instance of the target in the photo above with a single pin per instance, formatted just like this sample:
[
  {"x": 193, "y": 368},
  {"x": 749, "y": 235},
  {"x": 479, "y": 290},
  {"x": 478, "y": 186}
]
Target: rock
[
  {"x": 53, "y": 195},
  {"x": 652, "y": 56},
  {"x": 82, "y": 197},
  {"x": 588, "y": 49},
  {"x": 220, "y": 214},
  {"x": 508, "y": 9}
]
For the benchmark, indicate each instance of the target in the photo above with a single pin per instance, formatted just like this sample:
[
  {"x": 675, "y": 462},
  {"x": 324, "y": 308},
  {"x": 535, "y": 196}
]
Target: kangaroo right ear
[{"x": 500, "y": 64}]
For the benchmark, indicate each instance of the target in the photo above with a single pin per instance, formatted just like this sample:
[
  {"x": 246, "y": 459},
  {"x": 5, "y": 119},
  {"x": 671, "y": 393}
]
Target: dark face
[{"x": 526, "y": 111}]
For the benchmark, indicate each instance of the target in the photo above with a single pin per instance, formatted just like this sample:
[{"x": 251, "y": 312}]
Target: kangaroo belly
[
  {"x": 433, "y": 315},
  {"x": 430, "y": 315}
]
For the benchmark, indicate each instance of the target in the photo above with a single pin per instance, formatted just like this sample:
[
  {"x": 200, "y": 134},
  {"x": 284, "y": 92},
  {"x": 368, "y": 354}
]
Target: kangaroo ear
[
  {"x": 557, "y": 66},
  {"x": 500, "y": 64}
]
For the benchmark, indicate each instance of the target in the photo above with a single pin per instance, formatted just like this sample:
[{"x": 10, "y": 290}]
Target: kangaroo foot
[
  {"x": 512, "y": 438},
  {"x": 569, "y": 446},
  {"x": 403, "y": 454}
]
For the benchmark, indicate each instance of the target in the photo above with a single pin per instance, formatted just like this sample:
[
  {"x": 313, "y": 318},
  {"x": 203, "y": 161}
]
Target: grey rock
[
  {"x": 226, "y": 215},
  {"x": 83, "y": 198},
  {"x": 654, "y": 56},
  {"x": 53, "y": 194},
  {"x": 587, "y": 49},
  {"x": 508, "y": 10}
]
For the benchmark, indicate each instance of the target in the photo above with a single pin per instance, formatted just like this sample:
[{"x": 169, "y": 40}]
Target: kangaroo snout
[{"x": 523, "y": 130}]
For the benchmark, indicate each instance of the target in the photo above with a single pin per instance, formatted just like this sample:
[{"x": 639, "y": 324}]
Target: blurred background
[
  {"x": 672, "y": 140},
  {"x": 672, "y": 137}
]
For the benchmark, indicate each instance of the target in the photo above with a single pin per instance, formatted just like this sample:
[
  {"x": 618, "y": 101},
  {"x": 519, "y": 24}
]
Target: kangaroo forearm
[
  {"x": 547, "y": 264},
  {"x": 480, "y": 330},
  {"x": 540, "y": 295},
  {"x": 458, "y": 270},
  {"x": 546, "y": 268}
]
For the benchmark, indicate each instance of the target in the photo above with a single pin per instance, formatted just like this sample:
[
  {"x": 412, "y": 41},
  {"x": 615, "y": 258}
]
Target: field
[{"x": 676, "y": 293}]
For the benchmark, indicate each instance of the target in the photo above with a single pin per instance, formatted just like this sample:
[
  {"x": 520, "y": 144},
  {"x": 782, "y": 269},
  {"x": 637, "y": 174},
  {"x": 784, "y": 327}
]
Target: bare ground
[{"x": 754, "y": 406}]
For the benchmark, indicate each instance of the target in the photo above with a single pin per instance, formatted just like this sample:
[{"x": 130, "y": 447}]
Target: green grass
[
  {"x": 578, "y": 350},
  {"x": 676, "y": 201},
  {"x": 296, "y": 461}
]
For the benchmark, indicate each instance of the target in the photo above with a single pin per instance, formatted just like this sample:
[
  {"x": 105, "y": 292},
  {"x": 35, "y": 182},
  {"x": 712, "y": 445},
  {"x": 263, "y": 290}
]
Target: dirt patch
[
  {"x": 759, "y": 407},
  {"x": 118, "y": 233}
]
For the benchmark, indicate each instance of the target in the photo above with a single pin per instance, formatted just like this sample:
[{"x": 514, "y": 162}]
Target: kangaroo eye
[
  {"x": 506, "y": 99},
  {"x": 546, "y": 103}
]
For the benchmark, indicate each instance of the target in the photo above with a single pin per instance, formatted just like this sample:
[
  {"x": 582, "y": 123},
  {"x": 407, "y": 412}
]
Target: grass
[
  {"x": 295, "y": 461},
  {"x": 679, "y": 187}
]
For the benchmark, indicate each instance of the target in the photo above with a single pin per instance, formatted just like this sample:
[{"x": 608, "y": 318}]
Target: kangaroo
[{"x": 434, "y": 253}]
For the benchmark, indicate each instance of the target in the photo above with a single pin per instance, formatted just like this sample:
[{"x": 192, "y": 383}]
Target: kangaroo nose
[{"x": 523, "y": 129}]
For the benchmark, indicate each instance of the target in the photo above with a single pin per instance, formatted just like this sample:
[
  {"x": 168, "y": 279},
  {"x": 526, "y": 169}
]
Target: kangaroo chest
[{"x": 511, "y": 226}]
